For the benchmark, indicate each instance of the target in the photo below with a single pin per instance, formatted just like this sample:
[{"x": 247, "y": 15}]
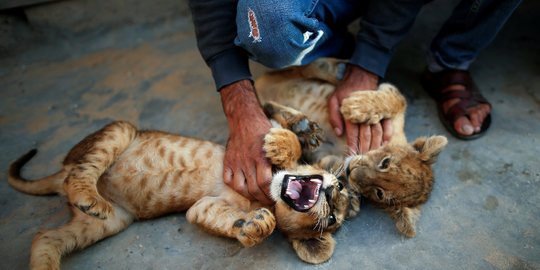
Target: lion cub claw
[
  {"x": 308, "y": 132},
  {"x": 257, "y": 228}
]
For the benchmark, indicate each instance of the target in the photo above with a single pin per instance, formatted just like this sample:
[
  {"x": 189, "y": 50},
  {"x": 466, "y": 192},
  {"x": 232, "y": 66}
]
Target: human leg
[
  {"x": 287, "y": 33},
  {"x": 382, "y": 27},
  {"x": 472, "y": 27}
]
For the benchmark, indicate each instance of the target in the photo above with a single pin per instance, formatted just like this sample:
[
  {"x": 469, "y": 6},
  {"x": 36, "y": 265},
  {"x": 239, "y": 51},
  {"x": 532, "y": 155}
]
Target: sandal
[{"x": 435, "y": 83}]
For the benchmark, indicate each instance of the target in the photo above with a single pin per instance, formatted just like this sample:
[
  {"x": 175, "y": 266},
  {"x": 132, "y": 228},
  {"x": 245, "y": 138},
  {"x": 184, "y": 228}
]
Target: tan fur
[
  {"x": 280, "y": 152},
  {"x": 309, "y": 133},
  {"x": 406, "y": 184},
  {"x": 306, "y": 90},
  {"x": 366, "y": 106},
  {"x": 120, "y": 174},
  {"x": 335, "y": 164}
]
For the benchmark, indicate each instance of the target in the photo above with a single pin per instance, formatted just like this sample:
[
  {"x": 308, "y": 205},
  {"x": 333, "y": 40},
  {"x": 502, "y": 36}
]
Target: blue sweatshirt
[{"x": 215, "y": 28}]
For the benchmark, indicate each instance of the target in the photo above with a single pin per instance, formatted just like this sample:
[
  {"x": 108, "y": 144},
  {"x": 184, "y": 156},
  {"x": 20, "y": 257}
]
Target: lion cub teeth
[{"x": 316, "y": 181}]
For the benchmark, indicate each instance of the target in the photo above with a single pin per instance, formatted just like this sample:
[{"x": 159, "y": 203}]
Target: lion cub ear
[
  {"x": 405, "y": 218},
  {"x": 315, "y": 250},
  {"x": 430, "y": 148}
]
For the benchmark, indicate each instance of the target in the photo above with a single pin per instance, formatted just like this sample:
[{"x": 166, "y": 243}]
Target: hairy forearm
[{"x": 240, "y": 101}]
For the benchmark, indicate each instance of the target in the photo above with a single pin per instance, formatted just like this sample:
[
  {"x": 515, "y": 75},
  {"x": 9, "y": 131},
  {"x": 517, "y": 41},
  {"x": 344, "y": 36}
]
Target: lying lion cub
[
  {"x": 397, "y": 177},
  {"x": 120, "y": 174}
]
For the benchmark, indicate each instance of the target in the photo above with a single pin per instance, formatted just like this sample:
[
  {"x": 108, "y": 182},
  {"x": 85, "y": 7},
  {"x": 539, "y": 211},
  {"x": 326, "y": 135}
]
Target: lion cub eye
[
  {"x": 383, "y": 165},
  {"x": 331, "y": 220},
  {"x": 379, "y": 193},
  {"x": 340, "y": 186}
]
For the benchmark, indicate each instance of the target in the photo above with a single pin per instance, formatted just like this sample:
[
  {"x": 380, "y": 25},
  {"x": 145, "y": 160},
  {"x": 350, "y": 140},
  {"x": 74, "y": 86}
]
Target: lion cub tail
[{"x": 52, "y": 184}]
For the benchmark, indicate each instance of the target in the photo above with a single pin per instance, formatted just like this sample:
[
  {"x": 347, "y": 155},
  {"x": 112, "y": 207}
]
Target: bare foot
[
  {"x": 462, "y": 108},
  {"x": 477, "y": 114}
]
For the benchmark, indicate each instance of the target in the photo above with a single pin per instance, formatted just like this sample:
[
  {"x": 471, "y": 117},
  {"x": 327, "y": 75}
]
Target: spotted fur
[{"x": 120, "y": 174}]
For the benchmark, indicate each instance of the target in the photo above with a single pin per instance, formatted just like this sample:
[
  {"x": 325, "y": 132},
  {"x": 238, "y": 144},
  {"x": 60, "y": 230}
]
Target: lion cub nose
[
  {"x": 358, "y": 169},
  {"x": 358, "y": 161}
]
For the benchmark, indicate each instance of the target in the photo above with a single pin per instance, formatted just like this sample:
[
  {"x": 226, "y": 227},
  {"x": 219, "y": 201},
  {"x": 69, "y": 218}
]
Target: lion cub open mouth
[{"x": 301, "y": 192}]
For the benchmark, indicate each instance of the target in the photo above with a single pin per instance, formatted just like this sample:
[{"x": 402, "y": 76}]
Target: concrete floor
[{"x": 483, "y": 214}]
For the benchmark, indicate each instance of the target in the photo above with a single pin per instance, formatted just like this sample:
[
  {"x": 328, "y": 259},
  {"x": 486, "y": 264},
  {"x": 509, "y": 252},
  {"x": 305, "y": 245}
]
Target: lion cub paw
[
  {"x": 406, "y": 229},
  {"x": 257, "y": 228},
  {"x": 373, "y": 106},
  {"x": 406, "y": 219},
  {"x": 93, "y": 205},
  {"x": 282, "y": 147},
  {"x": 309, "y": 133}
]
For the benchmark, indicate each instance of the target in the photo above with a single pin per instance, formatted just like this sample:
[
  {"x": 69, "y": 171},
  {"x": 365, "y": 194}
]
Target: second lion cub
[{"x": 397, "y": 177}]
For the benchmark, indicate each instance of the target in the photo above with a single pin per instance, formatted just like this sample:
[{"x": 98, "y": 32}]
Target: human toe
[
  {"x": 475, "y": 119},
  {"x": 463, "y": 126}
]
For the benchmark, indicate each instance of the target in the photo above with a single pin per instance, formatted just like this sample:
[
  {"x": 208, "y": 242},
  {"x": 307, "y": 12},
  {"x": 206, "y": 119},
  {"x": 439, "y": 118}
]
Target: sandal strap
[
  {"x": 452, "y": 94},
  {"x": 459, "y": 109},
  {"x": 469, "y": 97}
]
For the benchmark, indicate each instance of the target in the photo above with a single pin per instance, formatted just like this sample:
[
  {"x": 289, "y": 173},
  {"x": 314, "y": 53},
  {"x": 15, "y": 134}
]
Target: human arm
[
  {"x": 376, "y": 43},
  {"x": 360, "y": 137},
  {"x": 246, "y": 170},
  {"x": 215, "y": 29}
]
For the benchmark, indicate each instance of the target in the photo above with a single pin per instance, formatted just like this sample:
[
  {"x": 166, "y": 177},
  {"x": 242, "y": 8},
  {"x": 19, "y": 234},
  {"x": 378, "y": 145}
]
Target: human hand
[
  {"x": 360, "y": 137},
  {"x": 245, "y": 167}
]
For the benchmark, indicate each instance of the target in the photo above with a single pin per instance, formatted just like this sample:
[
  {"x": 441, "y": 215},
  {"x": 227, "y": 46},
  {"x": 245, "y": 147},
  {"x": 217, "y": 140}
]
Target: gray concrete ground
[{"x": 483, "y": 214}]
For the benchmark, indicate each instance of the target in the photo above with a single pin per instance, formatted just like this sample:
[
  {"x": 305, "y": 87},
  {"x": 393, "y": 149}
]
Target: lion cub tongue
[{"x": 293, "y": 190}]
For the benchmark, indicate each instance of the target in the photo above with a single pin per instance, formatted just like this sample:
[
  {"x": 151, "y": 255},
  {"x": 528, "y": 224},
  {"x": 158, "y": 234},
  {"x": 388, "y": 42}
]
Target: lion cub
[
  {"x": 397, "y": 177},
  {"x": 120, "y": 174}
]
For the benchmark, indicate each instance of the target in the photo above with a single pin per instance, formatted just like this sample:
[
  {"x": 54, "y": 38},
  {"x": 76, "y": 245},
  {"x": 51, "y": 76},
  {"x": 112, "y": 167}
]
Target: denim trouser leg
[
  {"x": 382, "y": 27},
  {"x": 472, "y": 27},
  {"x": 285, "y": 33}
]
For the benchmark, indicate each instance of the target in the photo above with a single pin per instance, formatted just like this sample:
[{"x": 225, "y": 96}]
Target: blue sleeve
[{"x": 215, "y": 28}]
